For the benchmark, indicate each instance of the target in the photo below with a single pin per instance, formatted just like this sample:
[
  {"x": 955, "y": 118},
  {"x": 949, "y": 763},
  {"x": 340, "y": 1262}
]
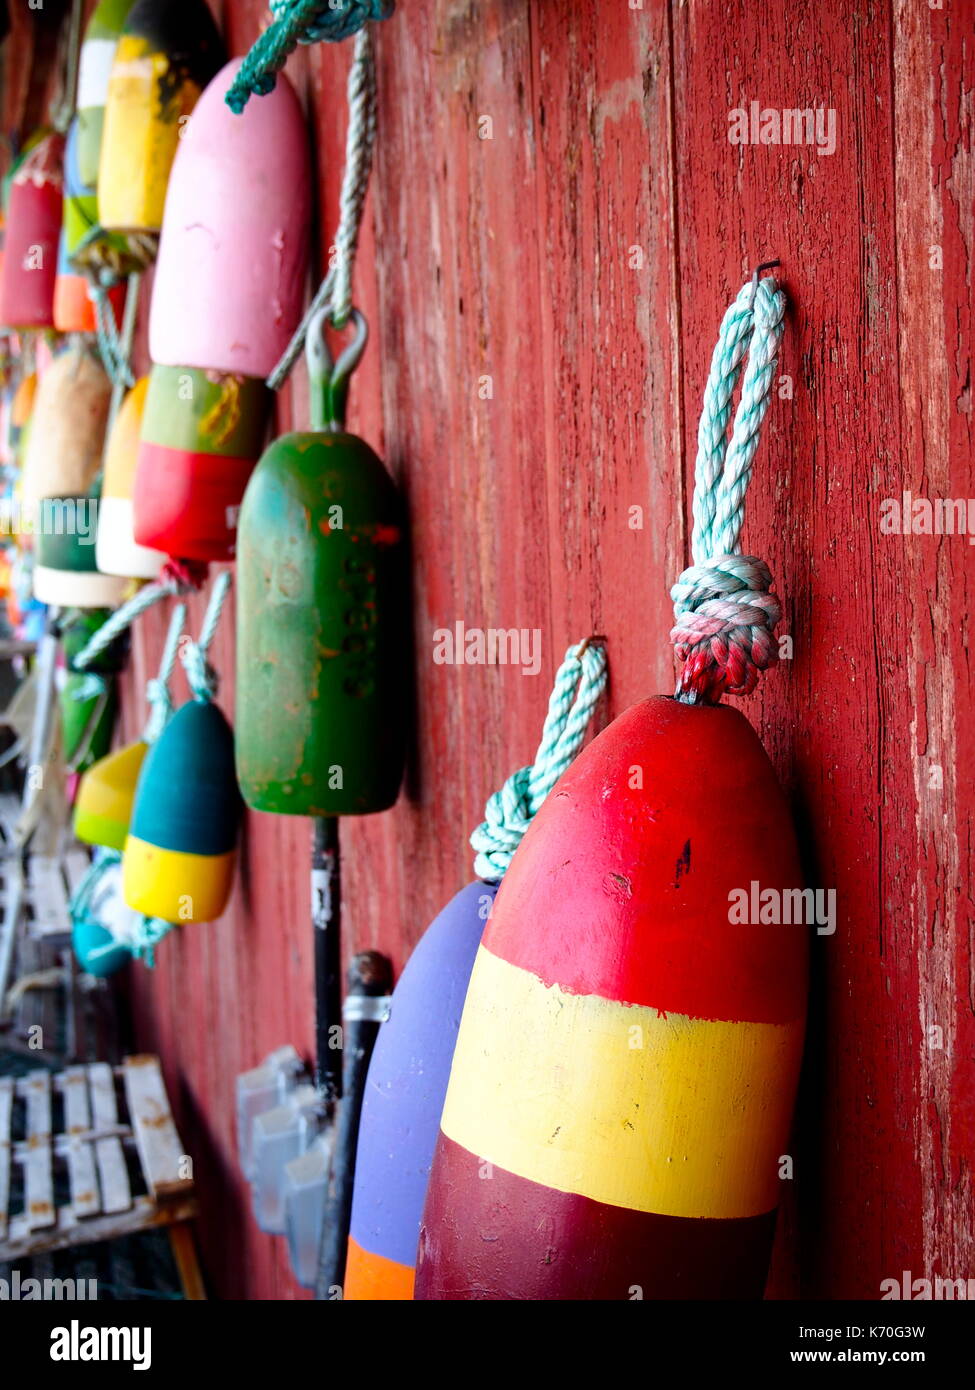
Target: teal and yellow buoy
[
  {"x": 322, "y": 617},
  {"x": 180, "y": 852}
]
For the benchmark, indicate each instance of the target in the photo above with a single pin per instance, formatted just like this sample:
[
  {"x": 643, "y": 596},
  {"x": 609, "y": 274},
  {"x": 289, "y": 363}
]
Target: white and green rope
[
  {"x": 724, "y": 611},
  {"x": 200, "y": 674},
  {"x": 579, "y": 683}
]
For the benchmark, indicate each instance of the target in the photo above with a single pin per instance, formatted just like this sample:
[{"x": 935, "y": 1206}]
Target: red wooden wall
[{"x": 581, "y": 259}]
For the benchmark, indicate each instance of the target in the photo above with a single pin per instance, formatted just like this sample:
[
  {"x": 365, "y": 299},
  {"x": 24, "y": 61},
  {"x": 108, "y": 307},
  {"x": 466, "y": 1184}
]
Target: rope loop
[
  {"x": 297, "y": 22},
  {"x": 201, "y": 676},
  {"x": 724, "y": 611},
  {"x": 158, "y": 694},
  {"x": 579, "y": 683},
  {"x": 335, "y": 292}
]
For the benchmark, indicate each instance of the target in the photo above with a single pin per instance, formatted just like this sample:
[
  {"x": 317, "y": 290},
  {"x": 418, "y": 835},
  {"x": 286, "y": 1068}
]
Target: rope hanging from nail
[
  {"x": 579, "y": 682},
  {"x": 335, "y": 291},
  {"x": 297, "y": 22},
  {"x": 200, "y": 674},
  {"x": 176, "y": 577},
  {"x": 158, "y": 694},
  {"x": 724, "y": 611}
]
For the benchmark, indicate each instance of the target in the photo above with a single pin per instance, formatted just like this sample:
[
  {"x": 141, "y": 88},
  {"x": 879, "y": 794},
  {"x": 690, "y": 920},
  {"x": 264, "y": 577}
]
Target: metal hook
[
  {"x": 766, "y": 265},
  {"x": 329, "y": 378}
]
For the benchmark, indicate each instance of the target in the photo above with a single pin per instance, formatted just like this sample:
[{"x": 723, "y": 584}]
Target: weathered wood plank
[
  {"x": 49, "y": 900},
  {"x": 160, "y": 1150},
  {"x": 922, "y": 617},
  {"x": 113, "y": 1177},
  {"x": 39, "y": 1211},
  {"x": 12, "y": 909},
  {"x": 73, "y": 1084},
  {"x": 6, "y": 1112},
  {"x": 143, "y": 1215}
]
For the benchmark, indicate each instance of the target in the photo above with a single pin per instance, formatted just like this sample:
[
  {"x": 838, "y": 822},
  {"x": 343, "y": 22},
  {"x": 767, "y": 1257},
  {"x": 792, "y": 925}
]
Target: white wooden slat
[
  {"x": 113, "y": 1175},
  {"x": 73, "y": 1085},
  {"x": 160, "y": 1148},
  {"x": 61, "y": 1143},
  {"x": 38, "y": 1170},
  {"x": 6, "y": 1112},
  {"x": 48, "y": 897},
  {"x": 13, "y": 907}
]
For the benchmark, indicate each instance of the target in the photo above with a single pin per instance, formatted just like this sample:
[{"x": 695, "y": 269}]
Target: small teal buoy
[{"x": 96, "y": 949}]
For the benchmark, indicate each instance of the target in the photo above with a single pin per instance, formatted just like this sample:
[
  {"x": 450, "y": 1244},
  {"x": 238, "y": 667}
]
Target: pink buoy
[{"x": 233, "y": 257}]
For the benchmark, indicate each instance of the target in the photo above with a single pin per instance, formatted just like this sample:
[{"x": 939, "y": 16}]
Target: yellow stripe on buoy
[
  {"x": 175, "y": 885},
  {"x": 681, "y": 1113}
]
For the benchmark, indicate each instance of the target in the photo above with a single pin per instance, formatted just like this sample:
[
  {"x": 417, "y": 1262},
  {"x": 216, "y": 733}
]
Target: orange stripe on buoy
[{"x": 373, "y": 1277}]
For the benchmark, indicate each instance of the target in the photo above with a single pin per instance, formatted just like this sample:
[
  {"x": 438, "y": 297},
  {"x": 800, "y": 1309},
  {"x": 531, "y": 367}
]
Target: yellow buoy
[
  {"x": 167, "y": 53},
  {"x": 117, "y": 549}
]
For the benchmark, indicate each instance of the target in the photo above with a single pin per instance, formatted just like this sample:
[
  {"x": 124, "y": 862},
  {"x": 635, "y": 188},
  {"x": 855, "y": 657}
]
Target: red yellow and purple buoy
[{"x": 622, "y": 1090}]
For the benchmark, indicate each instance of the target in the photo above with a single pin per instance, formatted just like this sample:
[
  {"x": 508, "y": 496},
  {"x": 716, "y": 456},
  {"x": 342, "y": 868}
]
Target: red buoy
[
  {"x": 622, "y": 1089},
  {"x": 33, "y": 230}
]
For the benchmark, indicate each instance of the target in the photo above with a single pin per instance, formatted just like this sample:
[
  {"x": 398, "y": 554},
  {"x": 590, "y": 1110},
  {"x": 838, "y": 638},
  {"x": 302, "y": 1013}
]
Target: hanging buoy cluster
[
  {"x": 628, "y": 1058},
  {"x": 583, "y": 1082}
]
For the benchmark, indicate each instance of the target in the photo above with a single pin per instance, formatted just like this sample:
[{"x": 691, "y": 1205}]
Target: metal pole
[
  {"x": 326, "y": 916},
  {"x": 366, "y": 1005}
]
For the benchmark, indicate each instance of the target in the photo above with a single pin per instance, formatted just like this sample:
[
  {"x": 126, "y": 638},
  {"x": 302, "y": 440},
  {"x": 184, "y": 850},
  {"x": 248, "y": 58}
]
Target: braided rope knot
[
  {"x": 200, "y": 675},
  {"x": 579, "y": 683},
  {"x": 724, "y": 627},
  {"x": 507, "y": 815},
  {"x": 330, "y": 20},
  {"x": 161, "y": 708},
  {"x": 146, "y": 934},
  {"x": 295, "y": 22}
]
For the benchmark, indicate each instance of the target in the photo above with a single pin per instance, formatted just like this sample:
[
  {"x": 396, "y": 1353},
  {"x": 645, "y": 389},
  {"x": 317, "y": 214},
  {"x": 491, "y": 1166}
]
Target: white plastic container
[
  {"x": 262, "y": 1089},
  {"x": 305, "y": 1191},
  {"x": 279, "y": 1136}
]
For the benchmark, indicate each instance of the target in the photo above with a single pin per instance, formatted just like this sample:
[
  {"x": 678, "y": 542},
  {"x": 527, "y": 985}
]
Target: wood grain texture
[{"x": 512, "y": 258}]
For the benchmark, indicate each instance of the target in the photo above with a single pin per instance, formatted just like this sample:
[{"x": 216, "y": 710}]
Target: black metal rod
[
  {"x": 370, "y": 978},
  {"x": 326, "y": 916}
]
